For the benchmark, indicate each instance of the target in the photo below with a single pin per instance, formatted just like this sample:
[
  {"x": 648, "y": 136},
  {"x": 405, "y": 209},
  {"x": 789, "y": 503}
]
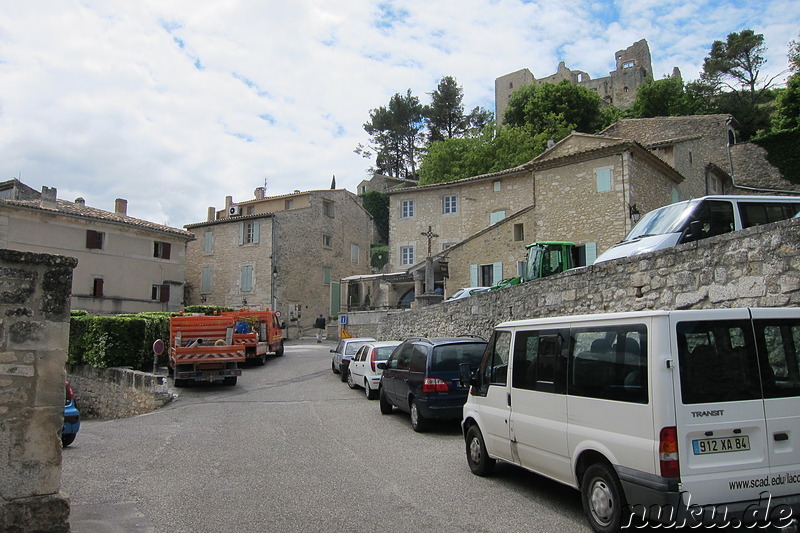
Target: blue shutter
[
  {"x": 591, "y": 252},
  {"x": 247, "y": 278},
  {"x": 256, "y": 231},
  {"x": 241, "y": 232},
  {"x": 473, "y": 275},
  {"x": 497, "y": 273}
]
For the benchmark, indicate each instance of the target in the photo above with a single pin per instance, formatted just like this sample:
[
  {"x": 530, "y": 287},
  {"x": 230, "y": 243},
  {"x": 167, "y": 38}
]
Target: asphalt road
[{"x": 291, "y": 448}]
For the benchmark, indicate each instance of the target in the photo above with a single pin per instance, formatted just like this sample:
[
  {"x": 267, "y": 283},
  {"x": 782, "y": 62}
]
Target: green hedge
[{"x": 122, "y": 340}]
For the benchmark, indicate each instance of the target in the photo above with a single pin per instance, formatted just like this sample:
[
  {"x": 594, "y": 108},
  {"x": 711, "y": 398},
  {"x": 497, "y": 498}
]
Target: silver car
[{"x": 344, "y": 352}]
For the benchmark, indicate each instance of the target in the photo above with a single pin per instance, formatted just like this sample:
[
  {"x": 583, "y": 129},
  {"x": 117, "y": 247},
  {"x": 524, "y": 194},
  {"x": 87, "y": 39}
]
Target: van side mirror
[
  {"x": 382, "y": 365},
  {"x": 465, "y": 374},
  {"x": 693, "y": 232},
  {"x": 283, "y": 325}
]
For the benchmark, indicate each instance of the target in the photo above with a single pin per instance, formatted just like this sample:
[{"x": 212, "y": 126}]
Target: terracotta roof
[{"x": 70, "y": 209}]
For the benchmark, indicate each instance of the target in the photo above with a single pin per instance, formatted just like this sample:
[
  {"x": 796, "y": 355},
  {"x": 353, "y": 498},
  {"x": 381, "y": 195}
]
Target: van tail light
[
  {"x": 434, "y": 385},
  {"x": 372, "y": 360},
  {"x": 668, "y": 452}
]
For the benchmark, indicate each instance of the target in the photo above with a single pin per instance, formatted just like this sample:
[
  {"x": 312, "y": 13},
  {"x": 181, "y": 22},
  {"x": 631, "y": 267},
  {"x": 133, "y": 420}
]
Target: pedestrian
[{"x": 319, "y": 323}]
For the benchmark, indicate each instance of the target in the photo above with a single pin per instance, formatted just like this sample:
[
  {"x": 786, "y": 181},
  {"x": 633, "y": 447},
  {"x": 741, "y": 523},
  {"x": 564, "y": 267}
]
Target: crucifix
[{"x": 430, "y": 235}]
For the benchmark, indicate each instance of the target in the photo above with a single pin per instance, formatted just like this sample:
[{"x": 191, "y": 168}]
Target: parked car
[
  {"x": 344, "y": 352},
  {"x": 466, "y": 292},
  {"x": 72, "y": 418},
  {"x": 364, "y": 371},
  {"x": 421, "y": 377}
]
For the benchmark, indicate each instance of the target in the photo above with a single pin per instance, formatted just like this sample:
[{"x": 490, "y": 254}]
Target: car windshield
[
  {"x": 447, "y": 357},
  {"x": 662, "y": 221},
  {"x": 382, "y": 353}
]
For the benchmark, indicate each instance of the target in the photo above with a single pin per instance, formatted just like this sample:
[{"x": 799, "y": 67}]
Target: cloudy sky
[{"x": 175, "y": 104}]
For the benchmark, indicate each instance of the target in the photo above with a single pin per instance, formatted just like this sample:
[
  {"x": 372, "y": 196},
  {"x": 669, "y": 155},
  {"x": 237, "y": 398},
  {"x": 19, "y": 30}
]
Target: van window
[
  {"x": 400, "y": 358},
  {"x": 717, "y": 361},
  {"x": 447, "y": 357},
  {"x": 419, "y": 359},
  {"x": 496, "y": 370},
  {"x": 610, "y": 363},
  {"x": 715, "y": 217},
  {"x": 779, "y": 342},
  {"x": 756, "y": 213},
  {"x": 538, "y": 364}
]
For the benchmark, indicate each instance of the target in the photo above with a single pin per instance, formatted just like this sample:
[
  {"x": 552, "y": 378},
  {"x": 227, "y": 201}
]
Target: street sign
[{"x": 343, "y": 319}]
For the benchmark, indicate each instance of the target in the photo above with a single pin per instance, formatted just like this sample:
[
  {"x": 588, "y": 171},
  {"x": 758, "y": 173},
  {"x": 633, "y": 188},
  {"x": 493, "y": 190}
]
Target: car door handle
[
  {"x": 508, "y": 398},
  {"x": 781, "y": 436}
]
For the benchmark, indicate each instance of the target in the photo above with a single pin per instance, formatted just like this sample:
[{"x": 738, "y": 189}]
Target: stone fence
[
  {"x": 756, "y": 267},
  {"x": 117, "y": 392}
]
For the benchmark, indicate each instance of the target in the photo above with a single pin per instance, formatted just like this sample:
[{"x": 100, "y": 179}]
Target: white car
[
  {"x": 466, "y": 292},
  {"x": 364, "y": 371}
]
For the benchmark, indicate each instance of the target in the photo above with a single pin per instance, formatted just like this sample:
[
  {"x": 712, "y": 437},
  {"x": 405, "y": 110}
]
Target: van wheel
[
  {"x": 418, "y": 422},
  {"x": 479, "y": 461},
  {"x": 602, "y": 498},
  {"x": 386, "y": 405}
]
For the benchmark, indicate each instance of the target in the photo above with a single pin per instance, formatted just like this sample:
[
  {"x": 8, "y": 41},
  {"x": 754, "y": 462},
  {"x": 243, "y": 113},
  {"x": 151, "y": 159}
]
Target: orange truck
[
  {"x": 204, "y": 348},
  {"x": 261, "y": 332}
]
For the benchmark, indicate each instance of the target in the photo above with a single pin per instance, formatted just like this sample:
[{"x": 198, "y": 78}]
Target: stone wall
[
  {"x": 34, "y": 334},
  {"x": 117, "y": 392},
  {"x": 754, "y": 267}
]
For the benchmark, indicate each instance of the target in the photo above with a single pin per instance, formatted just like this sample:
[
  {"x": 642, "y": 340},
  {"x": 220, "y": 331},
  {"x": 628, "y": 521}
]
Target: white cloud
[{"x": 174, "y": 104}]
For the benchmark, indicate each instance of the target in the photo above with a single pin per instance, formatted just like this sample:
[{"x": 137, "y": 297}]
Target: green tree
[
  {"x": 445, "y": 115},
  {"x": 549, "y": 106},
  {"x": 377, "y": 204},
  {"x": 662, "y": 98},
  {"x": 733, "y": 70},
  {"x": 787, "y": 108},
  {"x": 396, "y": 136},
  {"x": 794, "y": 56}
]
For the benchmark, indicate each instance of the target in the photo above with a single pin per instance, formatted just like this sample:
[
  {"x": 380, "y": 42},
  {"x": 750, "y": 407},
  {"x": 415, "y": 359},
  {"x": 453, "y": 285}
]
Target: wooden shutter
[{"x": 164, "y": 293}]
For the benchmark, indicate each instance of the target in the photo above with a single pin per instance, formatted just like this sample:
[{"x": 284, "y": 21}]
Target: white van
[
  {"x": 681, "y": 417},
  {"x": 700, "y": 218}
]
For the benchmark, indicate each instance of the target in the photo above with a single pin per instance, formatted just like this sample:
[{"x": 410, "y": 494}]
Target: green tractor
[{"x": 544, "y": 259}]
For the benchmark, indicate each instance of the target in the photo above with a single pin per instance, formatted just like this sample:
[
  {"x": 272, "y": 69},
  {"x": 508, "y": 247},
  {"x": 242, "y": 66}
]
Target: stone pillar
[{"x": 34, "y": 334}]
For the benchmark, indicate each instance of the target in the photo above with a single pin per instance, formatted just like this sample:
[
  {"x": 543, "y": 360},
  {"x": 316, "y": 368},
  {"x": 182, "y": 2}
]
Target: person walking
[{"x": 319, "y": 323}]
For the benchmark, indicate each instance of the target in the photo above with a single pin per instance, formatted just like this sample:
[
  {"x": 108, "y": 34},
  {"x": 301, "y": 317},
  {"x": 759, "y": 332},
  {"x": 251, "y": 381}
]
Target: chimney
[
  {"x": 259, "y": 193},
  {"x": 80, "y": 202},
  {"x": 211, "y": 214},
  {"x": 228, "y": 202},
  {"x": 121, "y": 207},
  {"x": 48, "y": 198}
]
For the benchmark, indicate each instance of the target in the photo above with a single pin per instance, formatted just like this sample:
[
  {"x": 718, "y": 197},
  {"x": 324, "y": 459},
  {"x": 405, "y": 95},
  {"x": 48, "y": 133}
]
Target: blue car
[{"x": 72, "y": 419}]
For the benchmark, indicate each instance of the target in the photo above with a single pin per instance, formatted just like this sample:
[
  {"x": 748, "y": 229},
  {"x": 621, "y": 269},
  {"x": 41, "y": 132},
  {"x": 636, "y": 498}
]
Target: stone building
[
  {"x": 284, "y": 252},
  {"x": 125, "y": 264},
  {"x": 633, "y": 66},
  {"x": 383, "y": 183}
]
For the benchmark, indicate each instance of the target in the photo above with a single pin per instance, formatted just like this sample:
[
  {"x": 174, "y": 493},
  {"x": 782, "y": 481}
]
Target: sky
[{"x": 176, "y": 104}]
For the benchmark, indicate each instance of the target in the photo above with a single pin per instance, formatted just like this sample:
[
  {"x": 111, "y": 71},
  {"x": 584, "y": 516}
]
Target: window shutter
[
  {"x": 164, "y": 293},
  {"x": 256, "y": 231},
  {"x": 241, "y": 232},
  {"x": 166, "y": 248},
  {"x": 97, "y": 289},
  {"x": 205, "y": 282},
  {"x": 247, "y": 278},
  {"x": 208, "y": 242},
  {"x": 497, "y": 272},
  {"x": 473, "y": 275},
  {"x": 591, "y": 252}
]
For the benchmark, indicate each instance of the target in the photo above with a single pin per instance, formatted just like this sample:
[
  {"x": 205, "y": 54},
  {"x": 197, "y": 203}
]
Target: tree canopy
[{"x": 548, "y": 106}]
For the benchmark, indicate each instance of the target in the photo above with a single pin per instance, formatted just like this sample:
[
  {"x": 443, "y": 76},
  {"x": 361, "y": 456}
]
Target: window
[
  {"x": 676, "y": 196},
  {"x": 407, "y": 208},
  {"x": 355, "y": 251},
  {"x": 94, "y": 239},
  {"x": 205, "y": 279},
  {"x": 521, "y": 267},
  {"x": 448, "y": 204},
  {"x": 610, "y": 362},
  {"x": 161, "y": 249},
  {"x": 406, "y": 255},
  {"x": 326, "y": 276},
  {"x": 496, "y": 185},
  {"x": 249, "y": 232},
  {"x": 327, "y": 241},
  {"x": 251, "y": 209},
  {"x": 757, "y": 213},
  {"x": 208, "y": 242},
  {"x": 496, "y": 370},
  {"x": 419, "y": 359},
  {"x": 603, "y": 177},
  {"x": 586, "y": 253},
  {"x": 247, "y": 278},
  {"x": 519, "y": 232},
  {"x": 628, "y": 64},
  {"x": 485, "y": 275},
  {"x": 496, "y": 217},
  {"x": 160, "y": 293},
  {"x": 288, "y": 204},
  {"x": 779, "y": 342},
  {"x": 538, "y": 364},
  {"x": 327, "y": 208},
  {"x": 97, "y": 288}
]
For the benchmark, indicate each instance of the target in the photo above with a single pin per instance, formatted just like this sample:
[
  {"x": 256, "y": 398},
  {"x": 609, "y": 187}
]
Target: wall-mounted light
[
  {"x": 244, "y": 301},
  {"x": 634, "y": 213},
  {"x": 202, "y": 298},
  {"x": 274, "y": 272}
]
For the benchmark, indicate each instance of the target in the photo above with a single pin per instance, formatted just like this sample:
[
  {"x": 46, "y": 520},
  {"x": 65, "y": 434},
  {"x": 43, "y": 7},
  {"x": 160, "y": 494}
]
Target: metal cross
[{"x": 430, "y": 235}]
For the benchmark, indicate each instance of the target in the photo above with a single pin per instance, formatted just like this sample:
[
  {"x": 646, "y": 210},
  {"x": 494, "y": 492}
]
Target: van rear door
[
  {"x": 777, "y": 333},
  {"x": 721, "y": 427}
]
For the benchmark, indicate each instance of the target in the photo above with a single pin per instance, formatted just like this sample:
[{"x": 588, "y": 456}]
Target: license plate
[{"x": 721, "y": 445}]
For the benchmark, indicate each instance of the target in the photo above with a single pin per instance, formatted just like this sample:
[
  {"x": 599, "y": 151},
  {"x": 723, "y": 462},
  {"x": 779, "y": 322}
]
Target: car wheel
[
  {"x": 180, "y": 382},
  {"x": 279, "y": 351},
  {"x": 333, "y": 368},
  {"x": 386, "y": 405},
  {"x": 370, "y": 392},
  {"x": 479, "y": 461},
  {"x": 418, "y": 422},
  {"x": 343, "y": 373},
  {"x": 602, "y": 498},
  {"x": 262, "y": 359},
  {"x": 350, "y": 382},
  {"x": 67, "y": 439}
]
